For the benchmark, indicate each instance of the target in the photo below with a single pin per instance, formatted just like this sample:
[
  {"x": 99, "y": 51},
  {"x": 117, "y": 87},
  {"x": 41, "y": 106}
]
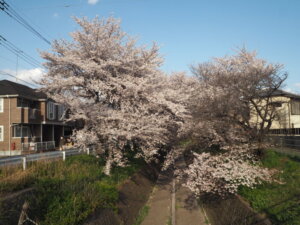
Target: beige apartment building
[
  {"x": 29, "y": 121},
  {"x": 287, "y": 106}
]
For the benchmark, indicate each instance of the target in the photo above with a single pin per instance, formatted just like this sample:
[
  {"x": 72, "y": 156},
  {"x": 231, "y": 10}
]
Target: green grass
[
  {"x": 68, "y": 191},
  {"x": 142, "y": 215},
  {"x": 169, "y": 221},
  {"x": 281, "y": 202}
]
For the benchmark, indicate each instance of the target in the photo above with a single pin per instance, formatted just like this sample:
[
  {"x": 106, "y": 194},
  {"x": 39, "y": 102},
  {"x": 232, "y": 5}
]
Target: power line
[
  {"x": 32, "y": 22},
  {"x": 17, "y": 17},
  {"x": 19, "y": 54},
  {"x": 53, "y": 6},
  {"x": 15, "y": 47},
  {"x": 8, "y": 74},
  {"x": 15, "y": 50}
]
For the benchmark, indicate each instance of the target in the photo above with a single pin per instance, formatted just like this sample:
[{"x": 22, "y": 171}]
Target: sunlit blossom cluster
[{"x": 225, "y": 172}]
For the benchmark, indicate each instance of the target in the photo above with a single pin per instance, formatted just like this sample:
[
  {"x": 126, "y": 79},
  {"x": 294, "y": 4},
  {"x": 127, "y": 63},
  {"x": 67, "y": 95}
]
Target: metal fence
[
  {"x": 24, "y": 159},
  {"x": 289, "y": 145},
  {"x": 38, "y": 146},
  {"x": 292, "y": 142}
]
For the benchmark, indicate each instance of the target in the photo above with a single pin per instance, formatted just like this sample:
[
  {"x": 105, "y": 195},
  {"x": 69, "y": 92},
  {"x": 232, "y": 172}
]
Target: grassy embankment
[
  {"x": 281, "y": 202},
  {"x": 67, "y": 191}
]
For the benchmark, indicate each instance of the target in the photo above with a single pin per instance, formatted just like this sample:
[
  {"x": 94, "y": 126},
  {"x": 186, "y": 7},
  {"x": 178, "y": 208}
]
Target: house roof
[
  {"x": 285, "y": 94},
  {"x": 11, "y": 88}
]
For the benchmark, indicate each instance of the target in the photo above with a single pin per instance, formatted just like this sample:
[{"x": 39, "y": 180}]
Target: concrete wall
[
  {"x": 232, "y": 211},
  {"x": 7, "y": 153}
]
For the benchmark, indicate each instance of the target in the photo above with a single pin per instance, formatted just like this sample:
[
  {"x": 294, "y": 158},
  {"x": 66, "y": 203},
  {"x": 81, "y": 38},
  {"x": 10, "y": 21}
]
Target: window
[
  {"x": 1, "y": 104},
  {"x": 1, "y": 133},
  {"x": 21, "y": 131},
  {"x": 276, "y": 104},
  {"x": 50, "y": 110},
  {"x": 60, "y": 113},
  {"x": 22, "y": 103},
  {"x": 295, "y": 105}
]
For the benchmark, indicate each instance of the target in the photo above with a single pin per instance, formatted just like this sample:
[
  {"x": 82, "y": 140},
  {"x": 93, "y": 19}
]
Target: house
[
  {"x": 287, "y": 109},
  {"x": 29, "y": 121}
]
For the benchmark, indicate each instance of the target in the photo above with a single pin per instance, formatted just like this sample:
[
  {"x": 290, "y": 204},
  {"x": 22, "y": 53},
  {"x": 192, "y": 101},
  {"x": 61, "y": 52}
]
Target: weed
[
  {"x": 279, "y": 201},
  {"x": 142, "y": 214},
  {"x": 68, "y": 191},
  {"x": 169, "y": 222}
]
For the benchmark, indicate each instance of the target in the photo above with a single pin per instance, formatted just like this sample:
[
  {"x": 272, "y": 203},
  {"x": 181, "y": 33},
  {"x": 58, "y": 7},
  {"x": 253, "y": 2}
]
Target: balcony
[
  {"x": 30, "y": 115},
  {"x": 34, "y": 114}
]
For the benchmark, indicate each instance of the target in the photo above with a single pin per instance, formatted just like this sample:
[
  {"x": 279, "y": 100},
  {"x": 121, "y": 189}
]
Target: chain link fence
[{"x": 288, "y": 144}]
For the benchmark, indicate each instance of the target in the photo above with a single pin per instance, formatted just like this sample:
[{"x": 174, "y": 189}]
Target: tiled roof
[
  {"x": 11, "y": 88},
  {"x": 285, "y": 93}
]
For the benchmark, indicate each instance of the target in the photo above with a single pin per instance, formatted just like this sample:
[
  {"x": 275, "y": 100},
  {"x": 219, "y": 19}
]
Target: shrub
[
  {"x": 68, "y": 191},
  {"x": 280, "y": 202}
]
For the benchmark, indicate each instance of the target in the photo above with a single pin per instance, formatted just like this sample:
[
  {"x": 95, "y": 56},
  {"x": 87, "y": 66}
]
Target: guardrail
[{"x": 24, "y": 159}]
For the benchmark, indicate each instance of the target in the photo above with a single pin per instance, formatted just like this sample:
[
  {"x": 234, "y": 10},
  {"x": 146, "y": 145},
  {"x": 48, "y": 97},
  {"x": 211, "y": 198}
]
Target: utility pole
[{"x": 17, "y": 64}]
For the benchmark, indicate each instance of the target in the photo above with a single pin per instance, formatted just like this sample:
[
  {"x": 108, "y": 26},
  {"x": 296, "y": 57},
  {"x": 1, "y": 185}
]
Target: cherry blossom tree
[
  {"x": 231, "y": 90},
  {"x": 117, "y": 89},
  {"x": 127, "y": 104}
]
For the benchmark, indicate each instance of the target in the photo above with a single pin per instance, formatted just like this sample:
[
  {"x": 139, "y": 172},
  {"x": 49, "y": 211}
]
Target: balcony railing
[
  {"x": 33, "y": 113},
  {"x": 38, "y": 146}
]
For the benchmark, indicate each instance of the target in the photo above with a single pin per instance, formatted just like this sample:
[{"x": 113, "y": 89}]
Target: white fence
[
  {"x": 24, "y": 159},
  {"x": 38, "y": 146}
]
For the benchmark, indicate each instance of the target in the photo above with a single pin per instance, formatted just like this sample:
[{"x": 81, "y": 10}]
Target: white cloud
[
  {"x": 92, "y": 2},
  {"x": 25, "y": 76},
  {"x": 293, "y": 89},
  {"x": 55, "y": 15},
  {"x": 288, "y": 89}
]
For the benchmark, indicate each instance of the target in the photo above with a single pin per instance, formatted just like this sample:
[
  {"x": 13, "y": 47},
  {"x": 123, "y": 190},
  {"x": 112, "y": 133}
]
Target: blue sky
[{"x": 188, "y": 31}]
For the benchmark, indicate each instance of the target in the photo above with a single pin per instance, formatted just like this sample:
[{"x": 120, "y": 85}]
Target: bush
[{"x": 281, "y": 202}]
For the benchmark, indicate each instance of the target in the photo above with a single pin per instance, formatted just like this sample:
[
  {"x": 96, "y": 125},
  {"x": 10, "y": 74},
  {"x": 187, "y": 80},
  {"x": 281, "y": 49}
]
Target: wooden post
[
  {"x": 24, "y": 163},
  {"x": 23, "y": 214}
]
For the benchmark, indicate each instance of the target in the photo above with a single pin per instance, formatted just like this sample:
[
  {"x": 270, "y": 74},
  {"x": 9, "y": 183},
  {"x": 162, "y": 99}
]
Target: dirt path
[{"x": 173, "y": 204}]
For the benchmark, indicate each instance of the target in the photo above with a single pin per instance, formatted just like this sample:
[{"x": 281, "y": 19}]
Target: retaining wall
[{"x": 232, "y": 211}]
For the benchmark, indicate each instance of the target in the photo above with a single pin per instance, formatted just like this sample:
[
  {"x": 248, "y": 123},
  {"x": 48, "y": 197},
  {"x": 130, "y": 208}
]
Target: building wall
[
  {"x": 20, "y": 115},
  {"x": 7, "y": 117},
  {"x": 284, "y": 120},
  {"x": 43, "y": 110}
]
